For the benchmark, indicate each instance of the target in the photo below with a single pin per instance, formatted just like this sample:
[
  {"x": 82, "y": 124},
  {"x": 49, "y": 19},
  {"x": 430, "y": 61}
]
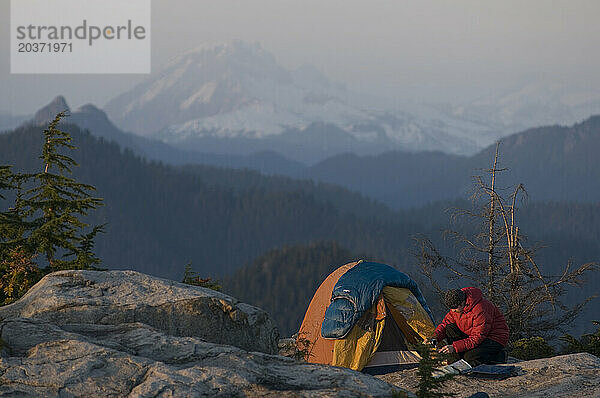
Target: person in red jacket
[{"x": 474, "y": 328}]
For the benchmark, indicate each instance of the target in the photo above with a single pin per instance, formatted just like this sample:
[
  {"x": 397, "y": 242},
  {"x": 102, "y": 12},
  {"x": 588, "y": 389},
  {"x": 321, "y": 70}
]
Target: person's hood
[{"x": 474, "y": 296}]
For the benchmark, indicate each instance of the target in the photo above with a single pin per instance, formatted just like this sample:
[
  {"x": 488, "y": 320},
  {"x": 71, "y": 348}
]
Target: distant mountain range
[
  {"x": 555, "y": 163},
  {"x": 230, "y": 99},
  {"x": 97, "y": 122},
  {"x": 532, "y": 102},
  {"x": 235, "y": 98}
]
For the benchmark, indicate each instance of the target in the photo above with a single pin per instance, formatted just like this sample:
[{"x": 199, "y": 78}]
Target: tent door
[{"x": 393, "y": 353}]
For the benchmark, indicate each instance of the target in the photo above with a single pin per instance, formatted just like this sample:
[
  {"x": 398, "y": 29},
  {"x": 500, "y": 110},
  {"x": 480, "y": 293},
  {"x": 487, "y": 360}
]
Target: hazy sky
[{"x": 431, "y": 50}]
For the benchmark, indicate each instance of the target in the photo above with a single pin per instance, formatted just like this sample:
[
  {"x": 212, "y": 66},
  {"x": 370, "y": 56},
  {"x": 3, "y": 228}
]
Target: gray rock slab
[
  {"x": 118, "y": 297},
  {"x": 573, "y": 375},
  {"x": 126, "y": 334},
  {"x": 136, "y": 360}
]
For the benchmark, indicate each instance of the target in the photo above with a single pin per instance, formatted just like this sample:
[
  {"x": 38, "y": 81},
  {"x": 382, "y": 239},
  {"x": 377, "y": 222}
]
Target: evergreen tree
[
  {"x": 7, "y": 220},
  {"x": 191, "y": 277},
  {"x": 85, "y": 258},
  {"x": 17, "y": 270},
  {"x": 5, "y": 177},
  {"x": 429, "y": 385},
  {"x": 589, "y": 342},
  {"x": 45, "y": 219},
  {"x": 55, "y": 205},
  {"x": 13, "y": 226}
]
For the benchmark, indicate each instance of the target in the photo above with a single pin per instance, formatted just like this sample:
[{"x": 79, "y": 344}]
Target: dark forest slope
[{"x": 159, "y": 217}]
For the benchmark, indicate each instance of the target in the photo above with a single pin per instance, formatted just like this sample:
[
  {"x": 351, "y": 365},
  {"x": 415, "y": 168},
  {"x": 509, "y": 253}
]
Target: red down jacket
[{"x": 479, "y": 320}]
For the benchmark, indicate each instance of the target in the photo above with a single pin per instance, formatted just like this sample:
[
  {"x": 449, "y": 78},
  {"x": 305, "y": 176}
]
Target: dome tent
[{"x": 365, "y": 316}]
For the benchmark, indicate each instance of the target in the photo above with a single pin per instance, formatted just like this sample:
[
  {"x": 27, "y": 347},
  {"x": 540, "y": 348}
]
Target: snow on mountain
[
  {"x": 201, "y": 83},
  {"x": 238, "y": 90},
  {"x": 536, "y": 102}
]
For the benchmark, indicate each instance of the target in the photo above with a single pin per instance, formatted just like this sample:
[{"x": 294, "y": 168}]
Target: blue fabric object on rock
[
  {"x": 357, "y": 290},
  {"x": 492, "y": 371}
]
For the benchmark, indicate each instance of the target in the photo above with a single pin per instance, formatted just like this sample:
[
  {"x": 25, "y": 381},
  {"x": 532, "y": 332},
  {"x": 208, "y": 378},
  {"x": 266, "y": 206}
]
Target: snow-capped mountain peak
[
  {"x": 204, "y": 82},
  {"x": 237, "y": 90}
]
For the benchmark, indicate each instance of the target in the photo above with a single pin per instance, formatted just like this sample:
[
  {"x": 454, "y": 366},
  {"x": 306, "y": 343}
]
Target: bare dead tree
[{"x": 497, "y": 260}]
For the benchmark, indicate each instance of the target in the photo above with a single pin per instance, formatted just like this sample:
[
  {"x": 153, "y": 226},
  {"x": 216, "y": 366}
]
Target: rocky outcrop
[
  {"x": 118, "y": 297},
  {"x": 46, "y": 114},
  {"x": 574, "y": 375},
  {"x": 125, "y": 334}
]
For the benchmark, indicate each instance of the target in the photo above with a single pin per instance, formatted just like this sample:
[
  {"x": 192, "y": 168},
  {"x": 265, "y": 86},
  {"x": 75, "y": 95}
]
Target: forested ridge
[
  {"x": 160, "y": 217},
  {"x": 556, "y": 163}
]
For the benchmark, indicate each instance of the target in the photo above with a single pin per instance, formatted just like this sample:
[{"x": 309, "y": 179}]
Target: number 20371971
[{"x": 45, "y": 47}]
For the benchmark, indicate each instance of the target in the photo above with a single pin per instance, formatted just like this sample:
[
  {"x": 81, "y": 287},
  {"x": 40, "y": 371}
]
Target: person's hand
[{"x": 447, "y": 349}]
